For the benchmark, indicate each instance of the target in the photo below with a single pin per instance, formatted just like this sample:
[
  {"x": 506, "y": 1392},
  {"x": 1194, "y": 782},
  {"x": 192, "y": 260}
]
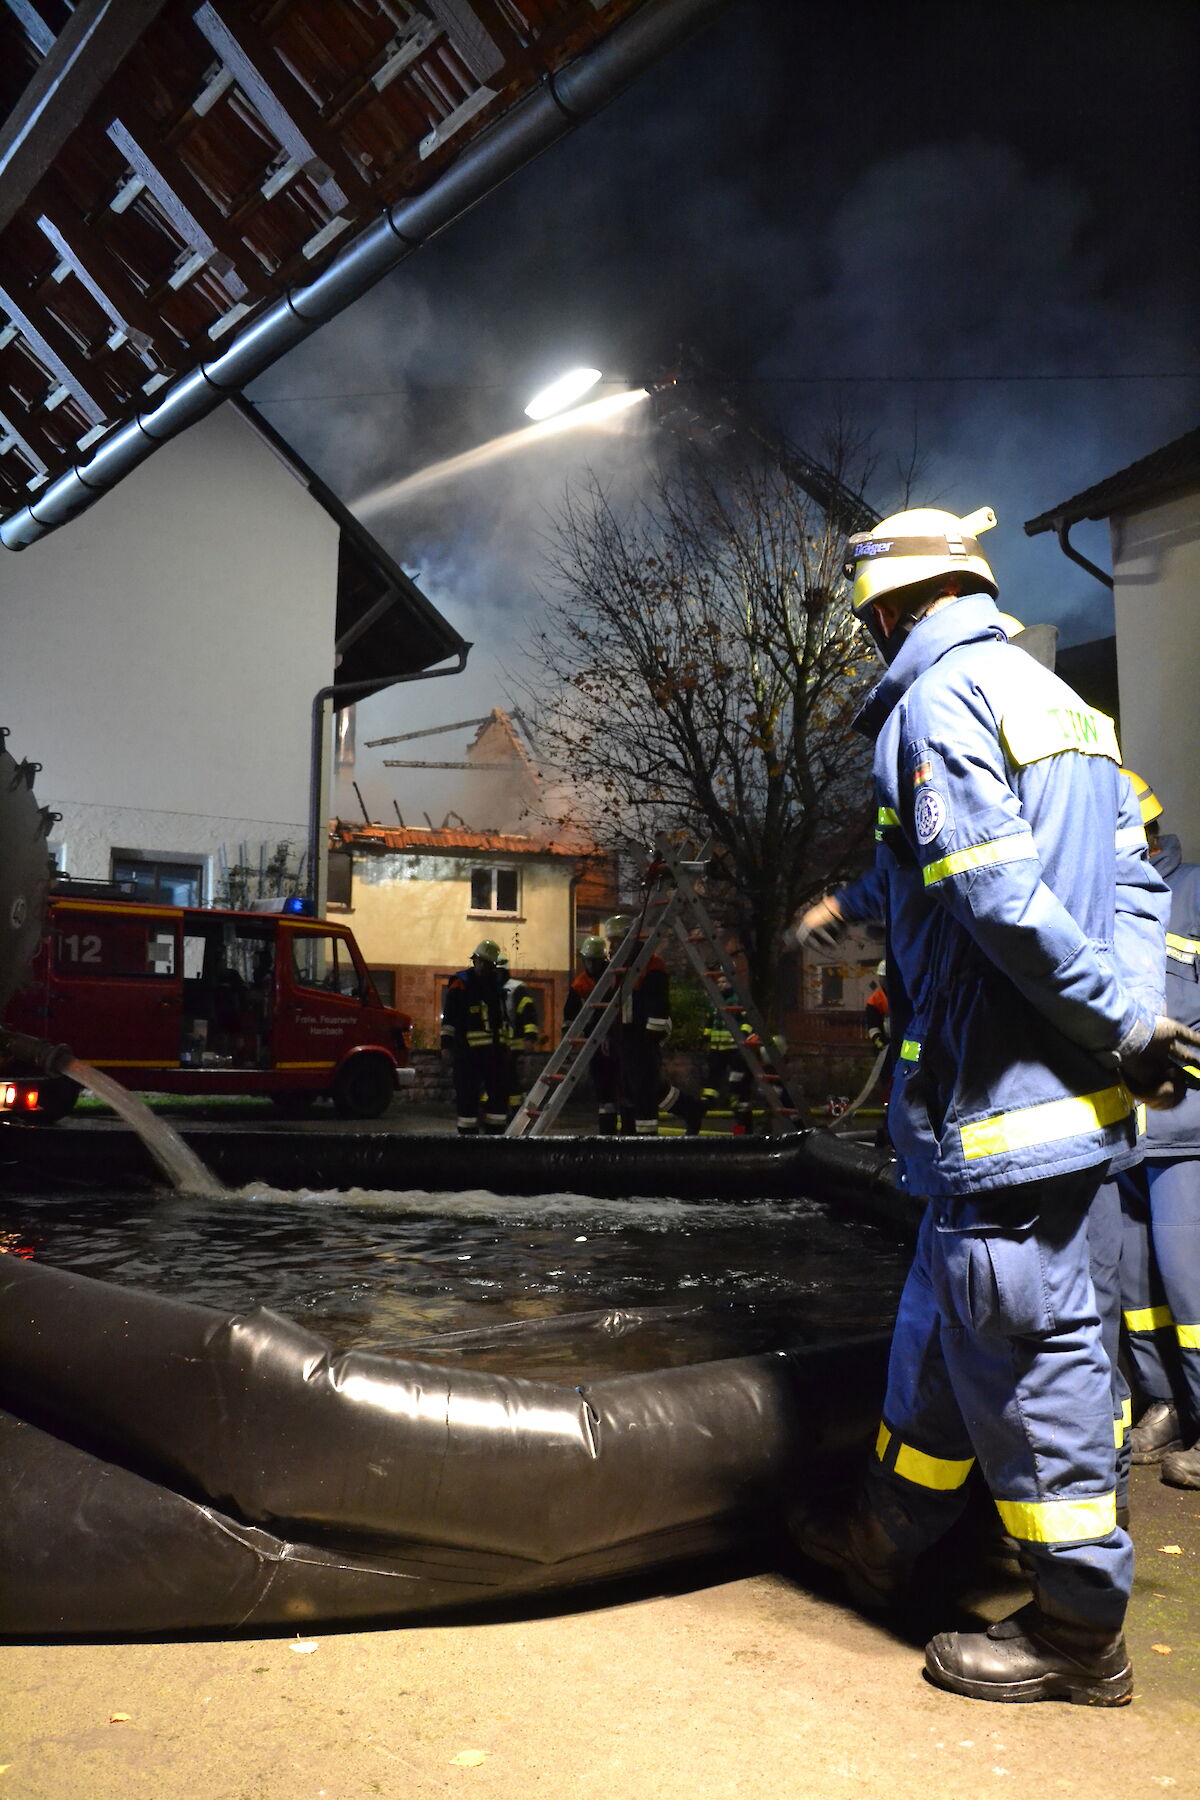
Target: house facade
[
  {"x": 163, "y": 653},
  {"x": 420, "y": 899}
]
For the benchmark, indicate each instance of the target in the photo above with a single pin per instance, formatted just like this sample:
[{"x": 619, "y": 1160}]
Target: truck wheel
[
  {"x": 364, "y": 1088},
  {"x": 293, "y": 1105}
]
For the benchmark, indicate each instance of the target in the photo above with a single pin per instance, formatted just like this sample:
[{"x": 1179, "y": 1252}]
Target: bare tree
[{"x": 696, "y": 667}]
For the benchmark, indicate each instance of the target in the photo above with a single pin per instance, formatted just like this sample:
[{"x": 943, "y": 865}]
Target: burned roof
[
  {"x": 187, "y": 190},
  {"x": 1172, "y": 470}
]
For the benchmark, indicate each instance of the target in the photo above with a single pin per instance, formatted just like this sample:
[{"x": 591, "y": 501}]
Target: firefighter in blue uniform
[
  {"x": 1160, "y": 1258},
  {"x": 475, "y": 1032},
  {"x": 1025, "y": 932}
]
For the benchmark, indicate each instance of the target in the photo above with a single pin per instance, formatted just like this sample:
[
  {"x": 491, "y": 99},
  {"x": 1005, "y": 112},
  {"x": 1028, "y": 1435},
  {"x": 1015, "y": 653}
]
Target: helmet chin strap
[{"x": 890, "y": 646}]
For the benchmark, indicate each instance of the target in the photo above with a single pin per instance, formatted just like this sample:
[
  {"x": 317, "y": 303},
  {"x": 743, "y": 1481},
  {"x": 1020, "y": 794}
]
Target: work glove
[
  {"x": 820, "y": 927},
  {"x": 1154, "y": 1074}
]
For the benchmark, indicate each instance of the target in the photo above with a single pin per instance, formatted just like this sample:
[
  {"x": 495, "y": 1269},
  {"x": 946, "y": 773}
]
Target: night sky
[{"x": 839, "y": 207}]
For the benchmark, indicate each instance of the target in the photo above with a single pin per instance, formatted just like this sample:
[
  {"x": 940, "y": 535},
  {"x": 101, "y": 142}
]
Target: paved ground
[{"x": 722, "y": 1686}]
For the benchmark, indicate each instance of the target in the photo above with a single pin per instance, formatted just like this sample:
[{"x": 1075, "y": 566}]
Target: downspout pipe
[
  {"x": 553, "y": 110},
  {"x": 1063, "y": 526},
  {"x": 346, "y": 690}
]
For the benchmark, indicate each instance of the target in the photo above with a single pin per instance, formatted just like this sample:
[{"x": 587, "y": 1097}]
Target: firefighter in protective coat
[
  {"x": 522, "y": 1031},
  {"x": 603, "y": 1069},
  {"x": 724, "y": 1071},
  {"x": 1160, "y": 1198},
  {"x": 475, "y": 1032},
  {"x": 1025, "y": 932},
  {"x": 644, "y": 1029}
]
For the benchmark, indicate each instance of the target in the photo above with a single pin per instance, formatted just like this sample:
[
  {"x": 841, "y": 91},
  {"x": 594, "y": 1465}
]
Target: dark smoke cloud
[{"x": 808, "y": 196}]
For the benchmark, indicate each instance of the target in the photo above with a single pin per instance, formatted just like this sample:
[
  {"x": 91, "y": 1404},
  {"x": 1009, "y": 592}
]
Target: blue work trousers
[
  {"x": 1105, "y": 1242},
  {"x": 998, "y": 1356},
  {"x": 1160, "y": 1281}
]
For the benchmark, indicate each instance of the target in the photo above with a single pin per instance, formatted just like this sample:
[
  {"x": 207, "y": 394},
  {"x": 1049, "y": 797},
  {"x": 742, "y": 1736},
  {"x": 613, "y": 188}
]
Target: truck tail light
[{"x": 8, "y": 1096}]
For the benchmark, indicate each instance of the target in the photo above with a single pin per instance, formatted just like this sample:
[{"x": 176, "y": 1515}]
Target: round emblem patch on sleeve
[{"x": 929, "y": 815}]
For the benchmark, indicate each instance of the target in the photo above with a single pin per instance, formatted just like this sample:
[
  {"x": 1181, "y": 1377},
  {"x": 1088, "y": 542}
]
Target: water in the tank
[{"x": 558, "y": 1286}]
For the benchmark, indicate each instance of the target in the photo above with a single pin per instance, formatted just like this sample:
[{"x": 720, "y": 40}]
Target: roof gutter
[
  {"x": 548, "y": 114},
  {"x": 1062, "y": 527}
]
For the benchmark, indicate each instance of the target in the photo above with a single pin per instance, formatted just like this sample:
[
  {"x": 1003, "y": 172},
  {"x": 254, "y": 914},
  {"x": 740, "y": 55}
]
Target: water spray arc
[{"x": 597, "y": 413}]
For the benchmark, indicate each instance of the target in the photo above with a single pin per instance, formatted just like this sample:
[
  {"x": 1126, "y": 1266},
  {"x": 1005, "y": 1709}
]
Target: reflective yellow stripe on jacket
[
  {"x": 1016, "y": 846},
  {"x": 1044, "y": 1124},
  {"x": 1183, "y": 949}
]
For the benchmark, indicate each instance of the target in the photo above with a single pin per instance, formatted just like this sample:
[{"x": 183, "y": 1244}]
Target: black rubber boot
[
  {"x": 1031, "y": 1656},
  {"x": 1156, "y": 1433},
  {"x": 856, "y": 1546},
  {"x": 1181, "y": 1468}
]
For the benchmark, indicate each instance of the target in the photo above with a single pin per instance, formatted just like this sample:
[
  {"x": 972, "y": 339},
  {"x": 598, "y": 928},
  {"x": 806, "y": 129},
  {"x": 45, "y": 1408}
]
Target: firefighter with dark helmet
[
  {"x": 1160, "y": 1199},
  {"x": 602, "y": 1069},
  {"x": 1025, "y": 929},
  {"x": 643, "y": 1031},
  {"x": 474, "y": 1030}
]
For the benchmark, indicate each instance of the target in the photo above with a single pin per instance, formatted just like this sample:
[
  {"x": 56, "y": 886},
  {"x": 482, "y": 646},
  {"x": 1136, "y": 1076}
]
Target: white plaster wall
[
  {"x": 159, "y": 655},
  {"x": 1156, "y": 576},
  {"x": 86, "y": 836}
]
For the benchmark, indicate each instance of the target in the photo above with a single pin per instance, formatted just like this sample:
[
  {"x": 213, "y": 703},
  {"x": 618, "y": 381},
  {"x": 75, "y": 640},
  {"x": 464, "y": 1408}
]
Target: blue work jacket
[
  {"x": 1177, "y": 1133},
  {"x": 1025, "y": 921}
]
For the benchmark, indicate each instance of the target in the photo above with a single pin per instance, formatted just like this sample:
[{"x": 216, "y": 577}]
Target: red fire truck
[{"x": 183, "y": 1001}]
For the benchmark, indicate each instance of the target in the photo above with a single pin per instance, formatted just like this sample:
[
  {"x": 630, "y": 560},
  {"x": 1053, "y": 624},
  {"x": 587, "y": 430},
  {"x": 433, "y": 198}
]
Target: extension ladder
[{"x": 672, "y": 903}]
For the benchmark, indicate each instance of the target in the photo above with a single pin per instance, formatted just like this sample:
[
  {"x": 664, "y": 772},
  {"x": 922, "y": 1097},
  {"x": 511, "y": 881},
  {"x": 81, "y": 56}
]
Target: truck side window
[
  {"x": 325, "y": 963},
  {"x": 106, "y": 945}
]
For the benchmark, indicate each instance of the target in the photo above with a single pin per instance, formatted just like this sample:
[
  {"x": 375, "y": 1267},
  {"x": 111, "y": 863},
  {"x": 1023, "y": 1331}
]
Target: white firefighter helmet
[
  {"x": 881, "y": 971},
  {"x": 915, "y": 549}
]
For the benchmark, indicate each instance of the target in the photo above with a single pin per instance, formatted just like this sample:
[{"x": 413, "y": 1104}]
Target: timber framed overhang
[{"x": 176, "y": 178}]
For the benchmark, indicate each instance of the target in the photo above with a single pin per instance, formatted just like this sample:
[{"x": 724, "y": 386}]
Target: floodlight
[{"x": 562, "y": 393}]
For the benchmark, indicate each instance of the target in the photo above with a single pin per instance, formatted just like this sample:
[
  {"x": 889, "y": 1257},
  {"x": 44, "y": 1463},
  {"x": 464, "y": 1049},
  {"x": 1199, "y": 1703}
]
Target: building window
[
  {"x": 163, "y": 881},
  {"x": 494, "y": 890},
  {"x": 341, "y": 873},
  {"x": 833, "y": 984}
]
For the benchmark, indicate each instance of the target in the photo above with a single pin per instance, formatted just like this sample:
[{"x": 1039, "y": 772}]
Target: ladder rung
[{"x": 560, "y": 1075}]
